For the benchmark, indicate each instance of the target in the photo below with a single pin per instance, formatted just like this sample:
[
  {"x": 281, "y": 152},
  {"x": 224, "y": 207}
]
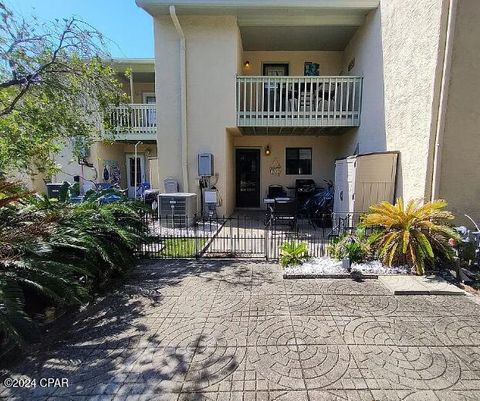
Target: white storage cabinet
[{"x": 363, "y": 180}]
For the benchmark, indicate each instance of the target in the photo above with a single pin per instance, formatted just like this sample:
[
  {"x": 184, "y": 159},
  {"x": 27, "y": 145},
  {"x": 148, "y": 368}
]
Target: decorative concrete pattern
[{"x": 220, "y": 330}]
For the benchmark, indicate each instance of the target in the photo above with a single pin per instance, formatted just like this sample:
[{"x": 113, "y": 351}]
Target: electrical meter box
[
  {"x": 210, "y": 203},
  {"x": 210, "y": 197},
  {"x": 205, "y": 165}
]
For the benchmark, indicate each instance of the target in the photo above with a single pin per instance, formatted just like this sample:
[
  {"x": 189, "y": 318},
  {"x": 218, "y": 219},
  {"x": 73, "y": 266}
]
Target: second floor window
[{"x": 298, "y": 161}]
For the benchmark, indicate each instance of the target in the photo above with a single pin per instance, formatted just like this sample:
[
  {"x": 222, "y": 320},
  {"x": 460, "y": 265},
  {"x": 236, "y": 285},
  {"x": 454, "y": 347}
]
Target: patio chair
[
  {"x": 276, "y": 191},
  {"x": 283, "y": 212}
]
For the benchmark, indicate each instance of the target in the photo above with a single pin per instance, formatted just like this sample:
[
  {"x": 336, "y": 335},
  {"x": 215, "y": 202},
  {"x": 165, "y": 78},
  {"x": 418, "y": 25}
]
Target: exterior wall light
[
  {"x": 267, "y": 150},
  {"x": 246, "y": 64}
]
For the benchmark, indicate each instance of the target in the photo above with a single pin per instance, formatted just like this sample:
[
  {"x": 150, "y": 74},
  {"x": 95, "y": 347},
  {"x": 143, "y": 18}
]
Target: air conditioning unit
[{"x": 177, "y": 209}]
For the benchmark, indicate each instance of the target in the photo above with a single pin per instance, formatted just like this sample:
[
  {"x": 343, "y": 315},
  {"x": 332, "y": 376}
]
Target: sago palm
[
  {"x": 59, "y": 253},
  {"x": 411, "y": 234}
]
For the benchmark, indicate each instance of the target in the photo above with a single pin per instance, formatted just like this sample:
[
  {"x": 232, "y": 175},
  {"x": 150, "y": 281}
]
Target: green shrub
[
  {"x": 59, "y": 253},
  {"x": 293, "y": 253},
  {"x": 466, "y": 252},
  {"x": 355, "y": 246}
]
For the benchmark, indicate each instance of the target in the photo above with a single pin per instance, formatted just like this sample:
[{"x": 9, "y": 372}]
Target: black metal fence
[{"x": 240, "y": 236}]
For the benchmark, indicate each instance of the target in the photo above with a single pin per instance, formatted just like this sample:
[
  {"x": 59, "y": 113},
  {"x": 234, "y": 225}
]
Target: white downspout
[
  {"x": 183, "y": 97},
  {"x": 447, "y": 64}
]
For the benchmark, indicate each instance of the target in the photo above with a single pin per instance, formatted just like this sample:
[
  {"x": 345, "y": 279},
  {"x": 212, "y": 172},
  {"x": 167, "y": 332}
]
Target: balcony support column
[{"x": 131, "y": 87}]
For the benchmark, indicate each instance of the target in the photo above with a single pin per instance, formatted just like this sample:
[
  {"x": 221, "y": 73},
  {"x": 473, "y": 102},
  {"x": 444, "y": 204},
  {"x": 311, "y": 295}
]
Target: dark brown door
[{"x": 248, "y": 177}]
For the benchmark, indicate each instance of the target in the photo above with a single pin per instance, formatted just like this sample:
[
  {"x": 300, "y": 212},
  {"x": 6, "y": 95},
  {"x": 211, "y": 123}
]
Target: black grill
[{"x": 304, "y": 187}]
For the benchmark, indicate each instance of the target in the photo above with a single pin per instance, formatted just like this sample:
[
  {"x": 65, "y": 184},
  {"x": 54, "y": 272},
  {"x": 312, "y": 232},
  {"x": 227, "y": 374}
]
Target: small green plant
[
  {"x": 411, "y": 234},
  {"x": 293, "y": 253},
  {"x": 466, "y": 252},
  {"x": 354, "y": 246}
]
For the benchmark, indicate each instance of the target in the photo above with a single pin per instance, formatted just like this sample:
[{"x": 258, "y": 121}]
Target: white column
[{"x": 131, "y": 87}]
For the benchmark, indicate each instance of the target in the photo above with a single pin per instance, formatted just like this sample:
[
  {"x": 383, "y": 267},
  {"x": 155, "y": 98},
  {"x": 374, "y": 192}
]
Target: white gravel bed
[
  {"x": 329, "y": 266},
  {"x": 323, "y": 265},
  {"x": 377, "y": 267}
]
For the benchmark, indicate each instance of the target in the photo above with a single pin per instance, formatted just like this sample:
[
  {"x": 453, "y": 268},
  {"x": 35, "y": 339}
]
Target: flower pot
[{"x": 346, "y": 264}]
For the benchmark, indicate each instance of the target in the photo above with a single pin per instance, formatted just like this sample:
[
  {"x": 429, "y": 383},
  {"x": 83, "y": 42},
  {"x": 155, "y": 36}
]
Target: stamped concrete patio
[{"x": 223, "y": 330}]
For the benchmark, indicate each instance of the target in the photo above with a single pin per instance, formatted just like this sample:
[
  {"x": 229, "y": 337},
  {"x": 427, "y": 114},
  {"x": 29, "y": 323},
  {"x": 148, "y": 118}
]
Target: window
[
  {"x": 132, "y": 171},
  {"x": 275, "y": 70},
  {"x": 298, "y": 161}
]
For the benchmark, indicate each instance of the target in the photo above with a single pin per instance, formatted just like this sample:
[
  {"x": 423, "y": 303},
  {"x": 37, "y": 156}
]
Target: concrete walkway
[
  {"x": 419, "y": 285},
  {"x": 237, "y": 331}
]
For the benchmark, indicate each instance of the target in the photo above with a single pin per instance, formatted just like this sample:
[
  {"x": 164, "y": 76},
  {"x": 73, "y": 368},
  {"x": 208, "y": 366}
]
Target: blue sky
[{"x": 129, "y": 27}]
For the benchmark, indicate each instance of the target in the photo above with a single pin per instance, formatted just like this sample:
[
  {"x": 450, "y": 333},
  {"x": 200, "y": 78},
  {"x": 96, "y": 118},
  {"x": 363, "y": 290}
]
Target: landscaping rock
[{"x": 330, "y": 268}]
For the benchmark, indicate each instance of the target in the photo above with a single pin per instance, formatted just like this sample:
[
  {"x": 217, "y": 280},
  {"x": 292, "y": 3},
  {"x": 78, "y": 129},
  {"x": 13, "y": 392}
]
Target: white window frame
[{"x": 146, "y": 94}]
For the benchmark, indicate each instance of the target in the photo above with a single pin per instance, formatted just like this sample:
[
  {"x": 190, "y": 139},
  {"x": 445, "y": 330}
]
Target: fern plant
[
  {"x": 293, "y": 253},
  {"x": 411, "y": 234}
]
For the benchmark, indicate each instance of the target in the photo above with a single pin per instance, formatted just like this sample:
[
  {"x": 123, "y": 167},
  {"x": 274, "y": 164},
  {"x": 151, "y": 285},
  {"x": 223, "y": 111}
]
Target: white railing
[
  {"x": 264, "y": 101},
  {"x": 134, "y": 119}
]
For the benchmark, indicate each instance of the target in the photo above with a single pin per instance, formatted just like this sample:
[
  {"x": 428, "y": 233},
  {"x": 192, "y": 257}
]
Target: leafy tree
[{"x": 55, "y": 86}]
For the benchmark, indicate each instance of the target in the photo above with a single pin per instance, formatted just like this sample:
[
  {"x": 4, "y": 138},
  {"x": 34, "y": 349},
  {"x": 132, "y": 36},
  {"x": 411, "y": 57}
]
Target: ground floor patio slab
[{"x": 236, "y": 330}]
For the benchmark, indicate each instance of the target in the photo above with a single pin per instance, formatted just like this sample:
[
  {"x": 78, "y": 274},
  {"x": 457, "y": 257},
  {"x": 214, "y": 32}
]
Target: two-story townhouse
[
  {"x": 277, "y": 90},
  {"x": 111, "y": 159}
]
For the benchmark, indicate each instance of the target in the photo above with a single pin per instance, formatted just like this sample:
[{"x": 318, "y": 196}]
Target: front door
[
  {"x": 247, "y": 177},
  {"x": 133, "y": 183}
]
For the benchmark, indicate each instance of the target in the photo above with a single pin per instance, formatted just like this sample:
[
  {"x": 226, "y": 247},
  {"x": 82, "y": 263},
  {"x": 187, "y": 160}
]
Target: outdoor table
[{"x": 270, "y": 201}]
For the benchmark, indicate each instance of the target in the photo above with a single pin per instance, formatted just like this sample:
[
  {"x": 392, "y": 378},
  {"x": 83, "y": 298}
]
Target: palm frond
[{"x": 60, "y": 252}]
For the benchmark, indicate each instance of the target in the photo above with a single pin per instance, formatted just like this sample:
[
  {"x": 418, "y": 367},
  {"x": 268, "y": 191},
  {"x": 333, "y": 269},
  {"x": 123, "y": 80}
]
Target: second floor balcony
[
  {"x": 318, "y": 104},
  {"x": 134, "y": 122}
]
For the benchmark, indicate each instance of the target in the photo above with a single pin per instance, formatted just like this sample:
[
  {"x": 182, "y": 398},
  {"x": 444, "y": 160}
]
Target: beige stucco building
[
  {"x": 278, "y": 90},
  {"x": 306, "y": 82}
]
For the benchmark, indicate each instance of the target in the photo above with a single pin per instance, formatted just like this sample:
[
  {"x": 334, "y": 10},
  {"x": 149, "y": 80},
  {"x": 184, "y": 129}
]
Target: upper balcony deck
[
  {"x": 134, "y": 122},
  {"x": 298, "y": 102}
]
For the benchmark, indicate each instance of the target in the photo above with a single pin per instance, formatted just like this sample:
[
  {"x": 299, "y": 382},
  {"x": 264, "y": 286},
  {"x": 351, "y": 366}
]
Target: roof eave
[{"x": 160, "y": 7}]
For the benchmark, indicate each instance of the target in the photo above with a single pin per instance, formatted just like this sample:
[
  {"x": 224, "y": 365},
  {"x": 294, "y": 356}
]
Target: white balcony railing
[
  {"x": 264, "y": 101},
  {"x": 134, "y": 120}
]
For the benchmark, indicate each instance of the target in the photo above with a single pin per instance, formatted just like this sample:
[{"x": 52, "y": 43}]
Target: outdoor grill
[{"x": 304, "y": 189}]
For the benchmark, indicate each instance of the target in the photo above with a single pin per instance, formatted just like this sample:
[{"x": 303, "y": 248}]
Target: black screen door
[{"x": 248, "y": 177}]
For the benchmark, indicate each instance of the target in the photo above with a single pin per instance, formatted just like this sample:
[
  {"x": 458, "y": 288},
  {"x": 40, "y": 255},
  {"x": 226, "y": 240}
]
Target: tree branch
[{"x": 30, "y": 78}]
